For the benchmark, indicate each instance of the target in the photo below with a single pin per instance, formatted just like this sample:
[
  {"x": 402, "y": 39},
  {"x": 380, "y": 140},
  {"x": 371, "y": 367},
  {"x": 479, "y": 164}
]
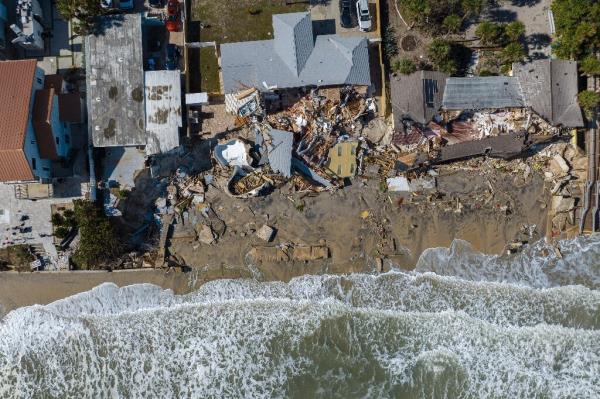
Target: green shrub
[
  {"x": 98, "y": 241},
  {"x": 61, "y": 232},
  {"x": 590, "y": 66},
  {"x": 389, "y": 43},
  {"x": 588, "y": 100},
  {"x": 453, "y": 23},
  {"x": 486, "y": 72},
  {"x": 405, "y": 66},
  {"x": 254, "y": 10},
  {"x": 57, "y": 220},
  {"x": 577, "y": 28}
]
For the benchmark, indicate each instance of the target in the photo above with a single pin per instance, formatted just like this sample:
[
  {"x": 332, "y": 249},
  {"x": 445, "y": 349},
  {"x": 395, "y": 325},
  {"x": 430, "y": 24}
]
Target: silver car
[{"x": 364, "y": 17}]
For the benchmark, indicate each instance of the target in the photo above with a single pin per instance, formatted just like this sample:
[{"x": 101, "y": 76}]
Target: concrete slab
[{"x": 121, "y": 165}]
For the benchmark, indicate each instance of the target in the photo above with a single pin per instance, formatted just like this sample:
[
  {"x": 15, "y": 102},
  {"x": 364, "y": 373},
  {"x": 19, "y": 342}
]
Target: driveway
[{"x": 326, "y": 19}]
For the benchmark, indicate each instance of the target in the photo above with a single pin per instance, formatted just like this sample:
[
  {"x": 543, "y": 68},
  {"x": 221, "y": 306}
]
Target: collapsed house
[
  {"x": 295, "y": 58},
  {"x": 427, "y": 105},
  {"x": 132, "y": 113}
]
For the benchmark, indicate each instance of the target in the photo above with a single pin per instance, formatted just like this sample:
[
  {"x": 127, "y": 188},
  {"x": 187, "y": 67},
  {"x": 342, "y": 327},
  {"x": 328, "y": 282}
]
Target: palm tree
[
  {"x": 453, "y": 23},
  {"x": 513, "y": 52},
  {"x": 488, "y": 33},
  {"x": 515, "y": 31},
  {"x": 472, "y": 7}
]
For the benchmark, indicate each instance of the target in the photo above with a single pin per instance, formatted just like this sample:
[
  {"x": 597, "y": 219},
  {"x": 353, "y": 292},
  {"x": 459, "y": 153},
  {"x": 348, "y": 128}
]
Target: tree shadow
[
  {"x": 538, "y": 40},
  {"x": 502, "y": 15},
  {"x": 524, "y": 3}
]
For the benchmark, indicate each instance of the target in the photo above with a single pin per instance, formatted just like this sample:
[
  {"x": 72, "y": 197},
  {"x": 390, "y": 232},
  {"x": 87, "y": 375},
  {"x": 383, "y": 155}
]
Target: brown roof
[
  {"x": 42, "y": 123},
  {"x": 69, "y": 107},
  {"x": 16, "y": 81},
  {"x": 14, "y": 166},
  {"x": 53, "y": 82}
]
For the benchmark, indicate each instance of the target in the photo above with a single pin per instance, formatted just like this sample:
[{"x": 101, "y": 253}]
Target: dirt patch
[
  {"x": 409, "y": 43},
  {"x": 361, "y": 223}
]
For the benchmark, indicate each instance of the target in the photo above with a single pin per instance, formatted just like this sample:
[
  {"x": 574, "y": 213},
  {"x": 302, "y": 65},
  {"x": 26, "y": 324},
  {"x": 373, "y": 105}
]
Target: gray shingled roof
[
  {"x": 115, "y": 81},
  {"x": 482, "y": 93},
  {"x": 292, "y": 60},
  {"x": 280, "y": 151},
  {"x": 550, "y": 89},
  {"x": 417, "y": 96}
]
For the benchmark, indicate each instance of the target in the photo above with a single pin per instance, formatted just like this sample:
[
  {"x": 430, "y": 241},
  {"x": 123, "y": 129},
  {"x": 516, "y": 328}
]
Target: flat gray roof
[
  {"x": 163, "y": 111},
  {"x": 482, "y": 93},
  {"x": 115, "y": 81}
]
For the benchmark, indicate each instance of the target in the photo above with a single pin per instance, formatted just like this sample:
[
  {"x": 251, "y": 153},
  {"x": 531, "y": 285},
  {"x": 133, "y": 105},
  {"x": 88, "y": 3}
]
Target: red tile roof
[{"x": 16, "y": 80}]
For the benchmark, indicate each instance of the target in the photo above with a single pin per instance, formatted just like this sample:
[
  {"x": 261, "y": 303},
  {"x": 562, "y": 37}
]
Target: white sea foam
[
  {"x": 539, "y": 265},
  {"x": 404, "y": 335}
]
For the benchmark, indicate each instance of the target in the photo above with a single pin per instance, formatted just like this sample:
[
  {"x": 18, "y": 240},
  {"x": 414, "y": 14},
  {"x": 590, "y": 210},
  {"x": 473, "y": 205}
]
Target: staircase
[{"x": 21, "y": 191}]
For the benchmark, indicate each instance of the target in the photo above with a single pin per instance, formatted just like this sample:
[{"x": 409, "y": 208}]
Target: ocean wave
[
  {"x": 463, "y": 325},
  {"x": 290, "y": 348},
  {"x": 569, "y": 262}
]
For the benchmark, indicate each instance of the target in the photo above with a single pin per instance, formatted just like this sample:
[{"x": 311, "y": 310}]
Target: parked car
[
  {"x": 157, "y": 3},
  {"x": 364, "y": 17},
  {"x": 347, "y": 15},
  {"x": 172, "y": 61},
  {"x": 173, "y": 22},
  {"x": 126, "y": 4}
]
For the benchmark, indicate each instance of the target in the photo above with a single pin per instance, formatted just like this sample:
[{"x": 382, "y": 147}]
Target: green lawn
[
  {"x": 227, "y": 21},
  {"x": 209, "y": 71}
]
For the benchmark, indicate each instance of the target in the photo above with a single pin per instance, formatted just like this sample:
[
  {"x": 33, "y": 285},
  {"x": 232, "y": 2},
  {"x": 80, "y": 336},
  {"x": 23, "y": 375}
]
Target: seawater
[{"x": 462, "y": 325}]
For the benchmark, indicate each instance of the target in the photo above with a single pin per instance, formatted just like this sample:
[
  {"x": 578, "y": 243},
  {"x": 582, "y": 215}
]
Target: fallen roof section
[
  {"x": 115, "y": 81},
  {"x": 295, "y": 58},
  {"x": 503, "y": 146},
  {"x": 163, "y": 111},
  {"x": 489, "y": 92},
  {"x": 550, "y": 88},
  {"x": 280, "y": 151}
]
